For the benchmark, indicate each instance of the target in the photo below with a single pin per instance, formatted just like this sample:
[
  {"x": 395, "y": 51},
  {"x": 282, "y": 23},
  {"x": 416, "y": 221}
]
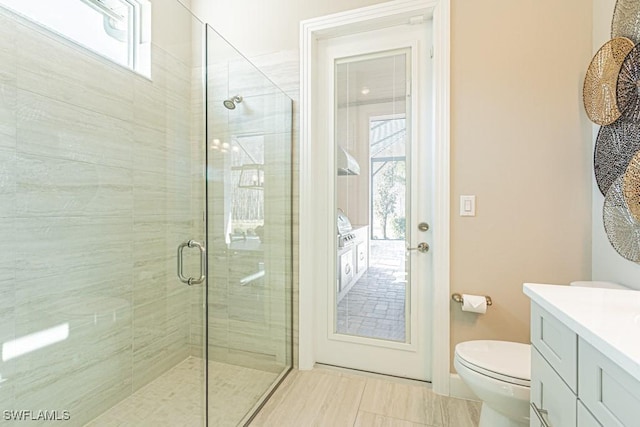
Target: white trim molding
[
  {"x": 442, "y": 176},
  {"x": 365, "y": 19}
]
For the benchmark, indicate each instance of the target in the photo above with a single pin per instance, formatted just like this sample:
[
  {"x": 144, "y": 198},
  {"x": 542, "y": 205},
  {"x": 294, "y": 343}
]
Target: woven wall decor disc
[
  {"x": 626, "y": 16},
  {"x": 623, "y": 230},
  {"x": 599, "y": 89},
  {"x": 616, "y": 144},
  {"x": 631, "y": 186},
  {"x": 627, "y": 88}
]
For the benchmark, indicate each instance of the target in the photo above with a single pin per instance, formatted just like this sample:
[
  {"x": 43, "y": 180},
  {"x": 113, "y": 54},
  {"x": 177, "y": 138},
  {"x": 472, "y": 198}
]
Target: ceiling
[{"x": 371, "y": 79}]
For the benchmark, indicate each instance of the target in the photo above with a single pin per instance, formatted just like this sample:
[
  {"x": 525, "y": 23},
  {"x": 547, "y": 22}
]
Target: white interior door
[{"x": 375, "y": 103}]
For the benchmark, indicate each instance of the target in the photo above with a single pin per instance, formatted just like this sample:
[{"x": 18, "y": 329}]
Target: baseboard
[{"x": 457, "y": 388}]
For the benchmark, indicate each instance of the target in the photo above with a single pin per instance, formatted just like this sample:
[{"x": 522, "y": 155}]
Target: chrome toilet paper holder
[{"x": 458, "y": 298}]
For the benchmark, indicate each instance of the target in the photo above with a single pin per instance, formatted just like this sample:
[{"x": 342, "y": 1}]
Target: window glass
[
  {"x": 387, "y": 138},
  {"x": 108, "y": 27}
]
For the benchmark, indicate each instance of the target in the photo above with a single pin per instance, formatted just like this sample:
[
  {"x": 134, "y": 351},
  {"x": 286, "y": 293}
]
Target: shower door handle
[{"x": 203, "y": 260}]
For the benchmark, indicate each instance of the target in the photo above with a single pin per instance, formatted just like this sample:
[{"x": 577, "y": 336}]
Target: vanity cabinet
[
  {"x": 551, "y": 398},
  {"x": 554, "y": 354},
  {"x": 575, "y": 384}
]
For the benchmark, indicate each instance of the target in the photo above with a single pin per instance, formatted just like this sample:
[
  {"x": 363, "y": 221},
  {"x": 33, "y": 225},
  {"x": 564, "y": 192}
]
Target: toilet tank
[{"x": 597, "y": 284}]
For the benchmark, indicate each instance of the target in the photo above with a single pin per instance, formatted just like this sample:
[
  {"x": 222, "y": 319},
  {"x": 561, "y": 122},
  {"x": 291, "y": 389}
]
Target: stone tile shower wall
[{"x": 98, "y": 175}]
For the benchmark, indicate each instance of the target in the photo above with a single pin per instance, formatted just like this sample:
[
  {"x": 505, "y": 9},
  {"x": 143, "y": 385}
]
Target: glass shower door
[{"x": 248, "y": 232}]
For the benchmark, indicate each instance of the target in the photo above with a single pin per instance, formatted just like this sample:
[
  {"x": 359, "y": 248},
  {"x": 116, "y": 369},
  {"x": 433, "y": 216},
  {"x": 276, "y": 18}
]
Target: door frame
[{"x": 313, "y": 228}]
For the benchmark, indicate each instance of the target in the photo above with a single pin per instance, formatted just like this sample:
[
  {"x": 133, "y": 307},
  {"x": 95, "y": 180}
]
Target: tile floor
[
  {"x": 175, "y": 399},
  {"x": 375, "y": 306},
  {"x": 323, "y": 397},
  {"x": 328, "y": 397}
]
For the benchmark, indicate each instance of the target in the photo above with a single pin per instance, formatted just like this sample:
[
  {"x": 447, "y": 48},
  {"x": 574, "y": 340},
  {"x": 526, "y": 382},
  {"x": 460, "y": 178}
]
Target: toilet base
[{"x": 489, "y": 417}]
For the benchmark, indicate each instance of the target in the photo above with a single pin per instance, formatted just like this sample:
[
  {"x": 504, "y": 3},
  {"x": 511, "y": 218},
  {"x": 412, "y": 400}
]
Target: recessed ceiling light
[{"x": 365, "y": 90}]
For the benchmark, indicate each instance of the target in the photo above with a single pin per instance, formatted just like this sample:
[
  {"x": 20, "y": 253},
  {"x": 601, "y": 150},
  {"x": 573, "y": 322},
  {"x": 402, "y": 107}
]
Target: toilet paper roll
[{"x": 474, "y": 303}]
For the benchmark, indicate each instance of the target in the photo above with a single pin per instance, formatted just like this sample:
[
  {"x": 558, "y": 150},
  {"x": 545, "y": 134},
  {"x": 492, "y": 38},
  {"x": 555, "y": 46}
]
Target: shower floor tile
[{"x": 176, "y": 398}]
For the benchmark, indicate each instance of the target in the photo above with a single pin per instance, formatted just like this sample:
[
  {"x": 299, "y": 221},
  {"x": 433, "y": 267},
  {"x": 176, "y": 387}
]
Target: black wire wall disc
[{"x": 616, "y": 144}]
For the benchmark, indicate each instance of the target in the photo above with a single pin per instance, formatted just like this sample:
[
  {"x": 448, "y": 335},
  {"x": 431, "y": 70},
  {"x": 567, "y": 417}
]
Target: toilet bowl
[{"x": 498, "y": 372}]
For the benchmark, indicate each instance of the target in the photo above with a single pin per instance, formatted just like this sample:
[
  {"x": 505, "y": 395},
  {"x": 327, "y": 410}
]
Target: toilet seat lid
[{"x": 503, "y": 360}]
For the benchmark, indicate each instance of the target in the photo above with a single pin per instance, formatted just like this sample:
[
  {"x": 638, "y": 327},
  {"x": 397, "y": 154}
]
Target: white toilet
[{"x": 499, "y": 373}]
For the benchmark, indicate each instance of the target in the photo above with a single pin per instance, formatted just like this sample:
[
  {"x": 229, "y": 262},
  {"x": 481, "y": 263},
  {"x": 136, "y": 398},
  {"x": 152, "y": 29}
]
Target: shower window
[{"x": 115, "y": 29}]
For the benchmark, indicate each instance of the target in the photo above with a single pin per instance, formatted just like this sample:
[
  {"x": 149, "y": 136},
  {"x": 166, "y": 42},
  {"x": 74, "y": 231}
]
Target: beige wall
[
  {"x": 520, "y": 139},
  {"x": 520, "y": 143}
]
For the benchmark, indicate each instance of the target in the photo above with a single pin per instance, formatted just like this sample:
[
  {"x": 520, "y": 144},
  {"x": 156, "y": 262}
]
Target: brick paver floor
[{"x": 375, "y": 306}]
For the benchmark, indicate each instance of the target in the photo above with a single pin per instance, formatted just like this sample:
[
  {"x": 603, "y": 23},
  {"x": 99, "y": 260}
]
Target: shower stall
[{"x": 145, "y": 257}]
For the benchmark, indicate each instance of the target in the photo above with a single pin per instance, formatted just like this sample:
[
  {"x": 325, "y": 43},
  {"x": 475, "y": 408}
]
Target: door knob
[{"x": 422, "y": 247}]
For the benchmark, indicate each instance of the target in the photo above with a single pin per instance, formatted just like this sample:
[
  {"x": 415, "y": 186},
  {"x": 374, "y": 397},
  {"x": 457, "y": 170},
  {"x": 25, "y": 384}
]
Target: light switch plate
[{"x": 467, "y": 205}]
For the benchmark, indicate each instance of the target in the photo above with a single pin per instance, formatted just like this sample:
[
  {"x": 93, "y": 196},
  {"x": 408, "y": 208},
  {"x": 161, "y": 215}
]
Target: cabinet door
[
  {"x": 585, "y": 419},
  {"x": 361, "y": 257},
  {"x": 346, "y": 269},
  {"x": 556, "y": 343},
  {"x": 550, "y": 395},
  {"x": 610, "y": 393}
]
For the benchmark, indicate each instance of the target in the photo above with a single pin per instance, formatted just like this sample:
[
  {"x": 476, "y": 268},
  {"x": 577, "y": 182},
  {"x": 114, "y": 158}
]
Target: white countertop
[{"x": 608, "y": 319}]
